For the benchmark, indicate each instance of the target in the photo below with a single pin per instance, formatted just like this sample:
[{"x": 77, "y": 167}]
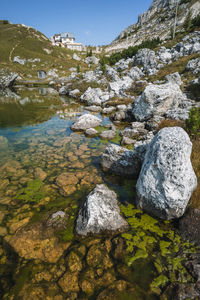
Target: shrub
[
  {"x": 5, "y": 22},
  {"x": 131, "y": 51},
  {"x": 89, "y": 54},
  {"x": 196, "y": 21},
  {"x": 193, "y": 122},
  {"x": 184, "y": 1},
  {"x": 194, "y": 90},
  {"x": 188, "y": 22},
  {"x": 78, "y": 69}
]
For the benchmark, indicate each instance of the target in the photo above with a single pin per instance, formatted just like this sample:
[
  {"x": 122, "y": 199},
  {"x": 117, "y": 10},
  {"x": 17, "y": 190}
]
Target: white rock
[
  {"x": 100, "y": 212},
  {"x": 76, "y": 57},
  {"x": 120, "y": 161},
  {"x": 156, "y": 100},
  {"x": 167, "y": 179},
  {"x": 85, "y": 122}
]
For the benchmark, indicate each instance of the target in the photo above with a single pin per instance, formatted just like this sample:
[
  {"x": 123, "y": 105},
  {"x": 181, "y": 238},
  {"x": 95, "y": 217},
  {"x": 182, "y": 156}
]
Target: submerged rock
[
  {"x": 167, "y": 179},
  {"x": 121, "y": 162},
  {"x": 100, "y": 212},
  {"x": 85, "y": 122},
  {"x": 3, "y": 143}
]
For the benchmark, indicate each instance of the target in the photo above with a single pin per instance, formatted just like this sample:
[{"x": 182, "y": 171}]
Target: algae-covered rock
[
  {"x": 34, "y": 242},
  {"x": 100, "y": 212},
  {"x": 167, "y": 179},
  {"x": 74, "y": 262},
  {"x": 3, "y": 143},
  {"x": 69, "y": 282}
]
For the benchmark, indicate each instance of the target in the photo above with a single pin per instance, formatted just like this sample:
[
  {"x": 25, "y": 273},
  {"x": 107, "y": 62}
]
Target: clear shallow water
[{"x": 45, "y": 168}]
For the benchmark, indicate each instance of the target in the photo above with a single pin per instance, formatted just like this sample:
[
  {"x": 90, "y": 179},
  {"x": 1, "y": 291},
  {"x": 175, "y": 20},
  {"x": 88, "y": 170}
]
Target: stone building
[{"x": 67, "y": 40}]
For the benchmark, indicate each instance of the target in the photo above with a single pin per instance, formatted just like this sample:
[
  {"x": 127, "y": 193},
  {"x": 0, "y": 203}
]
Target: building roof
[{"x": 67, "y": 35}]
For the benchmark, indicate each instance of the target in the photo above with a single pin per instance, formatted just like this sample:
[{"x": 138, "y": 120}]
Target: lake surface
[{"x": 46, "y": 168}]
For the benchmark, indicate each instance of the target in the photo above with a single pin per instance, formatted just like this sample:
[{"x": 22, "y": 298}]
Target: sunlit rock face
[
  {"x": 167, "y": 178},
  {"x": 100, "y": 212}
]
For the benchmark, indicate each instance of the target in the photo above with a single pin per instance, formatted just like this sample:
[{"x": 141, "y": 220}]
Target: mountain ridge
[{"x": 156, "y": 22}]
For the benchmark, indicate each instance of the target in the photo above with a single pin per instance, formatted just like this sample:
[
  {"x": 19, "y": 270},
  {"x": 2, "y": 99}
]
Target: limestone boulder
[
  {"x": 85, "y": 122},
  {"x": 167, "y": 179},
  {"x": 156, "y": 100},
  {"x": 100, "y": 212}
]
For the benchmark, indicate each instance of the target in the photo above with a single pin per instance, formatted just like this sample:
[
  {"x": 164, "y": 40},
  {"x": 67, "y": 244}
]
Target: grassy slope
[{"x": 29, "y": 43}]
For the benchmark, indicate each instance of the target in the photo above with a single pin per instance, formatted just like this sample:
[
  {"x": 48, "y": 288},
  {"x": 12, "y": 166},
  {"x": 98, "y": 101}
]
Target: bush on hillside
[
  {"x": 130, "y": 52},
  {"x": 184, "y": 1},
  {"x": 193, "y": 122},
  {"x": 196, "y": 21}
]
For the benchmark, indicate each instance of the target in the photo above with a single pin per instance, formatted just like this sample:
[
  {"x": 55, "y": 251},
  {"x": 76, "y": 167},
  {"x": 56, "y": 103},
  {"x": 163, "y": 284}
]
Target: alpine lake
[{"x": 46, "y": 168}]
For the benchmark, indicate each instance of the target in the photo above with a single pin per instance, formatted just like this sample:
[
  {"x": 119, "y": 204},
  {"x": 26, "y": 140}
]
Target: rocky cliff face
[{"x": 156, "y": 22}]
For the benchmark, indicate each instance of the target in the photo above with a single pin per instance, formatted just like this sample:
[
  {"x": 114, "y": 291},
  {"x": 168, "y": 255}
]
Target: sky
[{"x": 92, "y": 22}]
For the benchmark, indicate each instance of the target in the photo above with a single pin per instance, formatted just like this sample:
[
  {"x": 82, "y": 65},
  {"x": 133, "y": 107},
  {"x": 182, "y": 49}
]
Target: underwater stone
[
  {"x": 100, "y": 212},
  {"x": 167, "y": 179}
]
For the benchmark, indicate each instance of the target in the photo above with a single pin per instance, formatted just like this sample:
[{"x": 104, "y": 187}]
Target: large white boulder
[
  {"x": 167, "y": 179},
  {"x": 120, "y": 85},
  {"x": 85, "y": 122},
  {"x": 100, "y": 212},
  {"x": 156, "y": 100}
]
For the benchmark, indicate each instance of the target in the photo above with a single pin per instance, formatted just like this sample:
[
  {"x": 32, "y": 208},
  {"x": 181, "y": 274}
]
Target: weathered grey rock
[
  {"x": 174, "y": 78},
  {"x": 120, "y": 161},
  {"x": 135, "y": 73},
  {"x": 19, "y": 60},
  {"x": 140, "y": 147},
  {"x": 85, "y": 122},
  {"x": 100, "y": 212},
  {"x": 92, "y": 96},
  {"x": 91, "y": 60},
  {"x": 178, "y": 114},
  {"x": 76, "y": 57},
  {"x": 156, "y": 100},
  {"x": 108, "y": 134},
  {"x": 7, "y": 78},
  {"x": 94, "y": 108},
  {"x": 108, "y": 110},
  {"x": 135, "y": 133},
  {"x": 52, "y": 73},
  {"x": 120, "y": 85},
  {"x": 193, "y": 65},
  {"x": 112, "y": 73},
  {"x": 164, "y": 55},
  {"x": 91, "y": 132},
  {"x": 167, "y": 179},
  {"x": 127, "y": 141},
  {"x": 146, "y": 58},
  {"x": 90, "y": 76},
  {"x": 74, "y": 93}
]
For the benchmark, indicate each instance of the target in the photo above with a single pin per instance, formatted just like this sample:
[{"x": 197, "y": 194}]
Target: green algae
[
  {"x": 160, "y": 281},
  {"x": 33, "y": 192},
  {"x": 150, "y": 238}
]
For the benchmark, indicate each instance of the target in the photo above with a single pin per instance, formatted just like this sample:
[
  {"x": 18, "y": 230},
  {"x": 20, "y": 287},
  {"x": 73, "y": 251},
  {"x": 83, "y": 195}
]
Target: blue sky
[{"x": 92, "y": 22}]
